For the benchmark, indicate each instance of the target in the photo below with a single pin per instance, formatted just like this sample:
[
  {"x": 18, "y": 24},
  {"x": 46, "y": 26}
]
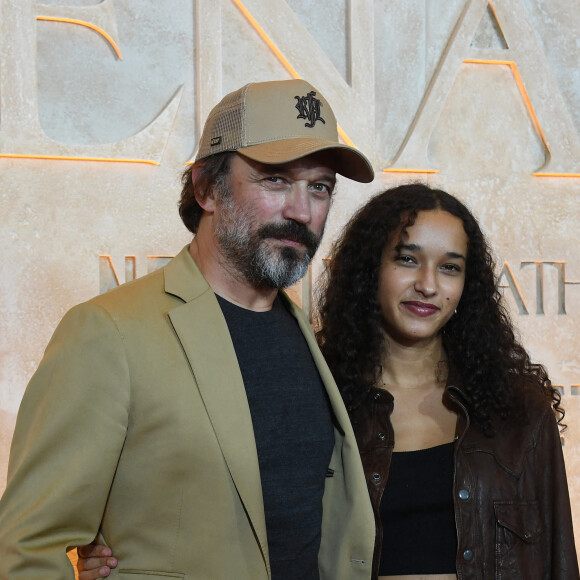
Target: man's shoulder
[
  {"x": 149, "y": 289},
  {"x": 142, "y": 289}
]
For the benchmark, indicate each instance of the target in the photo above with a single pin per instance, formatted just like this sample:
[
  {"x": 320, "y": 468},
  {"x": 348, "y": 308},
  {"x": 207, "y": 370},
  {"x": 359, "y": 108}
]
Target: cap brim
[{"x": 349, "y": 162}]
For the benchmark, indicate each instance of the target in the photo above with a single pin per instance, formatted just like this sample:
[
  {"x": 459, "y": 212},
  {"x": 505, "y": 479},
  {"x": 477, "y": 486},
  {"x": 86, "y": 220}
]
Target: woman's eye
[
  {"x": 451, "y": 268},
  {"x": 405, "y": 259}
]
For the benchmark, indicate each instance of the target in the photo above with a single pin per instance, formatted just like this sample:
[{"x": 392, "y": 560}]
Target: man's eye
[
  {"x": 274, "y": 179},
  {"x": 322, "y": 187}
]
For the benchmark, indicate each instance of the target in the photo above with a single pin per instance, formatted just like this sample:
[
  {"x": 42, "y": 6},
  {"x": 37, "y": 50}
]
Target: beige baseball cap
[{"x": 277, "y": 122}]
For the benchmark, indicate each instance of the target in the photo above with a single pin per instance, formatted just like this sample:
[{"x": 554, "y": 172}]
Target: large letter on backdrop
[
  {"x": 21, "y": 134},
  {"x": 525, "y": 55}
]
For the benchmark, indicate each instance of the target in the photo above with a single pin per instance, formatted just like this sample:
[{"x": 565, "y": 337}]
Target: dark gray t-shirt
[{"x": 293, "y": 429}]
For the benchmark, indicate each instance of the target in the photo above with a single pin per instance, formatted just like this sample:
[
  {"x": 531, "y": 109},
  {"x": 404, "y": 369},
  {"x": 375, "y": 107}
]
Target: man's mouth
[{"x": 293, "y": 243}]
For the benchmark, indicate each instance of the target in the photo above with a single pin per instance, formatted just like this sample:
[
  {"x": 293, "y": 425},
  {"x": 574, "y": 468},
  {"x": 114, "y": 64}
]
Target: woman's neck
[
  {"x": 416, "y": 378},
  {"x": 411, "y": 367}
]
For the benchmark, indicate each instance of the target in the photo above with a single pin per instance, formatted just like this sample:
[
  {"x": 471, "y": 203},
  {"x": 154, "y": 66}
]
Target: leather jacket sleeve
[
  {"x": 512, "y": 505},
  {"x": 557, "y": 513}
]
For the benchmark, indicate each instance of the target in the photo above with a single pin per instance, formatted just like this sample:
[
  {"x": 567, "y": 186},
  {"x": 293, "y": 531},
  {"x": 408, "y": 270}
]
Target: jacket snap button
[
  {"x": 527, "y": 535},
  {"x": 376, "y": 477},
  {"x": 468, "y": 555},
  {"x": 382, "y": 436},
  {"x": 377, "y": 396},
  {"x": 463, "y": 494}
]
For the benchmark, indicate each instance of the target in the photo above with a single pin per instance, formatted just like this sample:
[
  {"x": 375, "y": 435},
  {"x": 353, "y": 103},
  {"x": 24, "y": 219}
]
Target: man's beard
[{"x": 249, "y": 252}]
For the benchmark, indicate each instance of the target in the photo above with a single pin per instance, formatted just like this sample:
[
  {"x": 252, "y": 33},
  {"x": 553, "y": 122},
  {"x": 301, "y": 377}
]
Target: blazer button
[
  {"x": 463, "y": 494},
  {"x": 376, "y": 477},
  {"x": 468, "y": 555},
  {"x": 382, "y": 436}
]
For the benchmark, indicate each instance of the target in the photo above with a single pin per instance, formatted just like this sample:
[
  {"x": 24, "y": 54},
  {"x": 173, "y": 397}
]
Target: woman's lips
[{"x": 421, "y": 308}]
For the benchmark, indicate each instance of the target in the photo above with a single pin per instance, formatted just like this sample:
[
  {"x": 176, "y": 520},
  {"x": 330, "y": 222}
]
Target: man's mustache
[{"x": 292, "y": 231}]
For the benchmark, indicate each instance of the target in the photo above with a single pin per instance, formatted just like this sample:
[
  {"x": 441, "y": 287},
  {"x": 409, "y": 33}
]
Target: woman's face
[{"x": 421, "y": 277}]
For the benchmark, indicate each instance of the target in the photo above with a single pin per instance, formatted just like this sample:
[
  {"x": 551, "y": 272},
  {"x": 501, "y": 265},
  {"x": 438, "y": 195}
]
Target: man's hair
[{"x": 204, "y": 177}]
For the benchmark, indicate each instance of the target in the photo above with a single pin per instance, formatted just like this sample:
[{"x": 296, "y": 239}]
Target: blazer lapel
[{"x": 204, "y": 335}]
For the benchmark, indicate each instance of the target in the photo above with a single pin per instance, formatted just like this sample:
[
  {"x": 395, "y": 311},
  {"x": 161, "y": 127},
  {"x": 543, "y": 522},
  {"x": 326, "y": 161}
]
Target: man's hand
[{"x": 95, "y": 561}]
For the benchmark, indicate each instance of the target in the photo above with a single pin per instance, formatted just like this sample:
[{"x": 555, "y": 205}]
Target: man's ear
[{"x": 205, "y": 199}]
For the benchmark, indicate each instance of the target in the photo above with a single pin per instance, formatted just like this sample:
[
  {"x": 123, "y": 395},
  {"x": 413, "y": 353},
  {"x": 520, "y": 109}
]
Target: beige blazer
[{"x": 136, "y": 427}]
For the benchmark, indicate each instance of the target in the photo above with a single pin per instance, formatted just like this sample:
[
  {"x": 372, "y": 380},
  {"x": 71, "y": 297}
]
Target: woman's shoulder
[
  {"x": 532, "y": 393},
  {"x": 536, "y": 417}
]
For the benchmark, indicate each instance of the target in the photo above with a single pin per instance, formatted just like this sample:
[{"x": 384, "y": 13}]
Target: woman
[{"x": 457, "y": 429}]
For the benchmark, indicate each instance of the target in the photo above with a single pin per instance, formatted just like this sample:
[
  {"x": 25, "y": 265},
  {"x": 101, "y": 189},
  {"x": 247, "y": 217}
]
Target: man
[{"x": 187, "y": 419}]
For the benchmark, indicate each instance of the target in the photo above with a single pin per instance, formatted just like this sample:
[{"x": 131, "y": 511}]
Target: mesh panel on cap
[
  {"x": 225, "y": 122},
  {"x": 229, "y": 128}
]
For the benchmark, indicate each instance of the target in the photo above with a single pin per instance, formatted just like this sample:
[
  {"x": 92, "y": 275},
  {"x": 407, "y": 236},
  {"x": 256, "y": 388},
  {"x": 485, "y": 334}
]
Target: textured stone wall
[{"x": 101, "y": 105}]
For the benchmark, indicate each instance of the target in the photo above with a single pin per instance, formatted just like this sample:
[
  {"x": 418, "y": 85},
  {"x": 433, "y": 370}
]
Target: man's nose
[{"x": 297, "y": 204}]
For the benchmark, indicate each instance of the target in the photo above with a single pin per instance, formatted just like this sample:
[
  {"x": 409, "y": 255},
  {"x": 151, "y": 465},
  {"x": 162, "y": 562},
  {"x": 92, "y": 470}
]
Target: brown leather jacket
[{"x": 512, "y": 508}]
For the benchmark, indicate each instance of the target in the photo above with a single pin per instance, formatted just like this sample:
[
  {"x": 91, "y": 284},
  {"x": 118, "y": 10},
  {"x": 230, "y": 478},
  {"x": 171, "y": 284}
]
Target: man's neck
[{"x": 227, "y": 283}]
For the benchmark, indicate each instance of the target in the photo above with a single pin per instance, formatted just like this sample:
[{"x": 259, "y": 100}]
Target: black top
[
  {"x": 419, "y": 535},
  {"x": 293, "y": 430}
]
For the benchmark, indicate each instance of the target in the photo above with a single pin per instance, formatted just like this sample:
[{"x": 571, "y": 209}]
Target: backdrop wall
[{"x": 101, "y": 106}]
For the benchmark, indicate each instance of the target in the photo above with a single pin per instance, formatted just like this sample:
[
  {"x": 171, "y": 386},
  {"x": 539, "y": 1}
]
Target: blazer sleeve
[
  {"x": 564, "y": 562},
  {"x": 68, "y": 439}
]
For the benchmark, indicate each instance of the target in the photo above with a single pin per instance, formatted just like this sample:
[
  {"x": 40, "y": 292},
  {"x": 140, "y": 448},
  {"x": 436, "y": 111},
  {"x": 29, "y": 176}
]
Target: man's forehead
[{"x": 316, "y": 163}]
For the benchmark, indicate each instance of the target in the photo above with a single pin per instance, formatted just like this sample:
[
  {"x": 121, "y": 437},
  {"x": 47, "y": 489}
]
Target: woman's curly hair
[{"x": 479, "y": 340}]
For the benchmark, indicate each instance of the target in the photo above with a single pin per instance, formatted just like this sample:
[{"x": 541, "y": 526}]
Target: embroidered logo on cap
[
  {"x": 215, "y": 141},
  {"x": 309, "y": 109}
]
